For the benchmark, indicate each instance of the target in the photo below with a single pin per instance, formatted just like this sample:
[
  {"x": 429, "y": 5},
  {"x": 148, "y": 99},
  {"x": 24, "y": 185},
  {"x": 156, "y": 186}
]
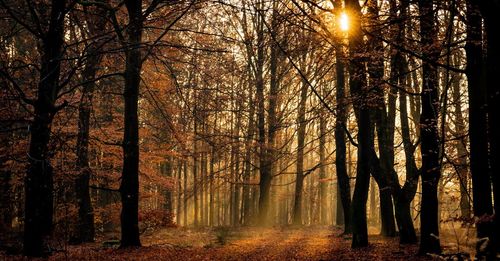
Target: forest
[{"x": 249, "y": 129}]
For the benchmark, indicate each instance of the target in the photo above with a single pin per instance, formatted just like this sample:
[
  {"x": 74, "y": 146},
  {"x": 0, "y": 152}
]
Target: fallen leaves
[{"x": 311, "y": 243}]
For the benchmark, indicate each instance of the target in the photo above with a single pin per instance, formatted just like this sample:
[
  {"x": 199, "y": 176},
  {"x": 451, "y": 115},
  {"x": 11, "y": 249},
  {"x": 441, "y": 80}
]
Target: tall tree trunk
[
  {"x": 168, "y": 171},
  {"x": 322, "y": 169},
  {"x": 7, "y": 193},
  {"x": 403, "y": 201},
  {"x": 385, "y": 119},
  {"x": 344, "y": 187},
  {"x": 85, "y": 221},
  {"x": 248, "y": 163},
  {"x": 195, "y": 171},
  {"x": 384, "y": 124},
  {"x": 237, "y": 201},
  {"x": 232, "y": 175},
  {"x": 129, "y": 188},
  {"x": 204, "y": 168},
  {"x": 431, "y": 168},
  {"x": 343, "y": 213},
  {"x": 360, "y": 196},
  {"x": 6, "y": 201},
  {"x": 211, "y": 184},
  {"x": 179, "y": 193},
  {"x": 359, "y": 90},
  {"x": 312, "y": 197},
  {"x": 264, "y": 160},
  {"x": 339, "y": 211},
  {"x": 460, "y": 146},
  {"x": 489, "y": 10},
  {"x": 218, "y": 208},
  {"x": 202, "y": 177},
  {"x": 236, "y": 165},
  {"x": 373, "y": 204},
  {"x": 85, "y": 228},
  {"x": 185, "y": 193},
  {"x": 403, "y": 196},
  {"x": 301, "y": 134},
  {"x": 39, "y": 177}
]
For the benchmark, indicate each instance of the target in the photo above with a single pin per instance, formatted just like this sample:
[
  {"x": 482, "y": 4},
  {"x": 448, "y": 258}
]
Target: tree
[
  {"x": 489, "y": 11},
  {"x": 479, "y": 165},
  {"x": 39, "y": 176},
  {"x": 403, "y": 195},
  {"x": 129, "y": 187},
  {"x": 430, "y": 149},
  {"x": 344, "y": 186},
  {"x": 323, "y": 197},
  {"x": 301, "y": 132},
  {"x": 96, "y": 24},
  {"x": 359, "y": 90},
  {"x": 383, "y": 118}
]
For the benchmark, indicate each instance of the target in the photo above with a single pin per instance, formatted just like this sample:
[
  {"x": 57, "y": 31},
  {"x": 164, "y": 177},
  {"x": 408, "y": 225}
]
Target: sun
[{"x": 344, "y": 22}]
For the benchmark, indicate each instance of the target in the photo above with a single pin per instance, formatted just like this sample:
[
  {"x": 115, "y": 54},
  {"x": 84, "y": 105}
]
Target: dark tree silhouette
[
  {"x": 431, "y": 168},
  {"x": 96, "y": 25},
  {"x": 359, "y": 90},
  {"x": 129, "y": 188},
  {"x": 479, "y": 165},
  {"x": 489, "y": 10},
  {"x": 39, "y": 177}
]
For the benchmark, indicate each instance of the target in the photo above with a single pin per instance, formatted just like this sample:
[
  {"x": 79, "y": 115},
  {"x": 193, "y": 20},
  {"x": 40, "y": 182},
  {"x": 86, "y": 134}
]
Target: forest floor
[{"x": 309, "y": 243}]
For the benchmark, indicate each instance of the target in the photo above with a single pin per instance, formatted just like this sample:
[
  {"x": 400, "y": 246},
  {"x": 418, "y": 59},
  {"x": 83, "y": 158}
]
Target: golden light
[{"x": 344, "y": 22}]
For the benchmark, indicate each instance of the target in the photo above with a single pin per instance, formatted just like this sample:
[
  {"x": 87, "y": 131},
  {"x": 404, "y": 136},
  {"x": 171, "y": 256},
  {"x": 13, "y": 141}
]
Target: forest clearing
[{"x": 250, "y": 129}]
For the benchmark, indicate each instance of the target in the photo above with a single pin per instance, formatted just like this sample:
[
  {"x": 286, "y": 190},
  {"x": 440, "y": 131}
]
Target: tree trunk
[
  {"x": 38, "y": 181},
  {"x": 460, "y": 146},
  {"x": 248, "y": 164},
  {"x": 236, "y": 165},
  {"x": 232, "y": 176},
  {"x": 211, "y": 188},
  {"x": 384, "y": 124},
  {"x": 85, "y": 221},
  {"x": 202, "y": 177},
  {"x": 168, "y": 171},
  {"x": 489, "y": 10},
  {"x": 129, "y": 188},
  {"x": 388, "y": 226},
  {"x": 264, "y": 160},
  {"x": 6, "y": 200},
  {"x": 431, "y": 168},
  {"x": 373, "y": 204},
  {"x": 404, "y": 195},
  {"x": 344, "y": 187},
  {"x": 360, "y": 196},
  {"x": 179, "y": 193},
  {"x": 339, "y": 212},
  {"x": 195, "y": 171},
  {"x": 359, "y": 91},
  {"x": 301, "y": 133},
  {"x": 403, "y": 201},
  {"x": 185, "y": 193},
  {"x": 322, "y": 169}
]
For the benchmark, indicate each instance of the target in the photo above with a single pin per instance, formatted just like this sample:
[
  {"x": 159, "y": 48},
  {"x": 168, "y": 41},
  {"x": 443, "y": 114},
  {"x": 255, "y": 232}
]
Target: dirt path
[
  {"x": 307, "y": 244},
  {"x": 320, "y": 243},
  {"x": 276, "y": 245}
]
